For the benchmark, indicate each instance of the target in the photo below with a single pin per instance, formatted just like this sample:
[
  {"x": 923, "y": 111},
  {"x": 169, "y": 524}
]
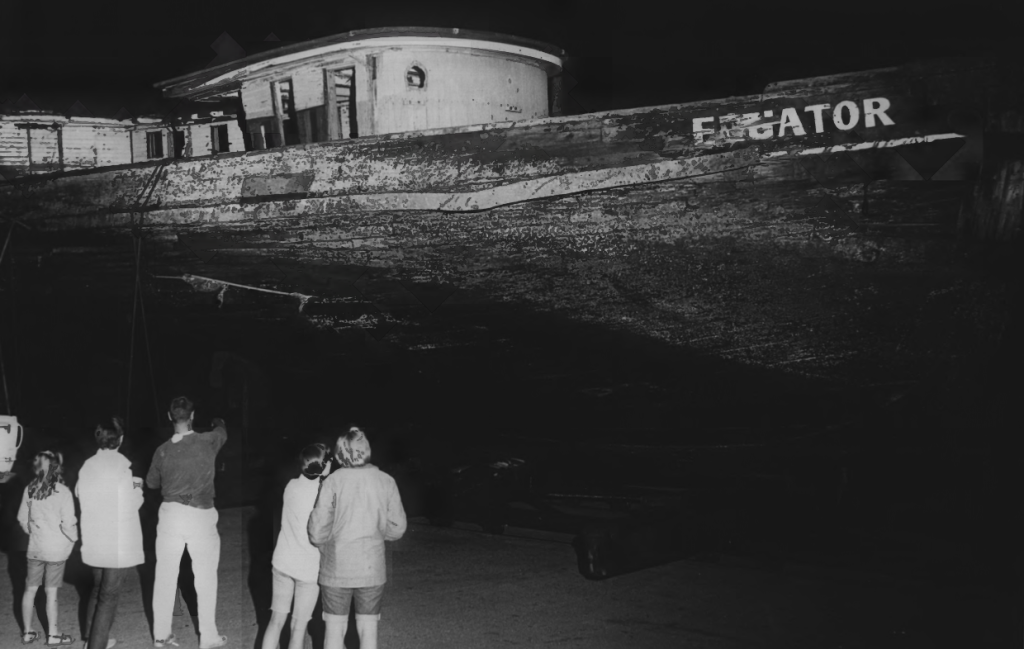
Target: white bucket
[{"x": 11, "y": 436}]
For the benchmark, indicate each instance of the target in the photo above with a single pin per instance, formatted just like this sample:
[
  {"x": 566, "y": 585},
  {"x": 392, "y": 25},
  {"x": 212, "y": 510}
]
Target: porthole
[{"x": 415, "y": 77}]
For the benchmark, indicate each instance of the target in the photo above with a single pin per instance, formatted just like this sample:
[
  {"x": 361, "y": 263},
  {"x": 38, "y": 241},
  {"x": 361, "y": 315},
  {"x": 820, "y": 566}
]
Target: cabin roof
[
  {"x": 186, "y": 84},
  {"x": 102, "y": 104}
]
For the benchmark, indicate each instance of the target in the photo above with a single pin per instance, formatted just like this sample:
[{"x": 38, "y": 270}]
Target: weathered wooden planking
[
  {"x": 824, "y": 254},
  {"x": 463, "y": 162}
]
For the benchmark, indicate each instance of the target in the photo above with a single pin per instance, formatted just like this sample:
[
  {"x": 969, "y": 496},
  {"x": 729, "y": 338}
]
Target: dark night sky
[{"x": 623, "y": 54}]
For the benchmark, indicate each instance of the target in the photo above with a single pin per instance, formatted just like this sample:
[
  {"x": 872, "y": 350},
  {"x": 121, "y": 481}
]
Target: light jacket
[
  {"x": 111, "y": 531},
  {"x": 294, "y": 555},
  {"x": 50, "y": 524},
  {"x": 358, "y": 509}
]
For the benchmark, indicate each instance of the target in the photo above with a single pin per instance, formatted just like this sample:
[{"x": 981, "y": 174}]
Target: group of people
[{"x": 331, "y": 542}]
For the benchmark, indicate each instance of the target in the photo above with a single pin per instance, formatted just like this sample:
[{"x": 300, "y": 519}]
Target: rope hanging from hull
[
  {"x": 207, "y": 283},
  {"x": 149, "y": 355},
  {"x": 137, "y": 242},
  {"x": 139, "y": 306},
  {"x": 144, "y": 196},
  {"x": 3, "y": 368}
]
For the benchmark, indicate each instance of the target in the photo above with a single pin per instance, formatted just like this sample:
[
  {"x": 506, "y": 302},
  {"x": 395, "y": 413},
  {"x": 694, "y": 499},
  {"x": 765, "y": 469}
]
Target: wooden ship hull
[
  {"x": 780, "y": 261},
  {"x": 759, "y": 231}
]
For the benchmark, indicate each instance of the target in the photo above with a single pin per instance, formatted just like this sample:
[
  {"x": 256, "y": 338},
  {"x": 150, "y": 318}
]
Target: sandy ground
[{"x": 457, "y": 588}]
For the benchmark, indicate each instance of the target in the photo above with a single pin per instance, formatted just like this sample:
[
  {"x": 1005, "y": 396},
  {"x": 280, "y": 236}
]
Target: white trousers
[{"x": 181, "y": 526}]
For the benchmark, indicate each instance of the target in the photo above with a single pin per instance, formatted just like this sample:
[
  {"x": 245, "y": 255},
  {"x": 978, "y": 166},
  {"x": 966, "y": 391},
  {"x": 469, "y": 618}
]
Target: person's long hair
[{"x": 49, "y": 469}]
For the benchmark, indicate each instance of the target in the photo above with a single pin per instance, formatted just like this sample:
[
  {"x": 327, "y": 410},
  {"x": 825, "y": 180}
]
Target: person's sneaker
[
  {"x": 170, "y": 641},
  {"x": 219, "y": 642}
]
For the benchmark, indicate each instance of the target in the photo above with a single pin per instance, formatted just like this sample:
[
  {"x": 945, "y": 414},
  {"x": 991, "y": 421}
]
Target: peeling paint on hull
[{"x": 812, "y": 254}]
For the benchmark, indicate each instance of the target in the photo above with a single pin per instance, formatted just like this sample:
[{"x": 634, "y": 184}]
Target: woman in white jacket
[{"x": 111, "y": 532}]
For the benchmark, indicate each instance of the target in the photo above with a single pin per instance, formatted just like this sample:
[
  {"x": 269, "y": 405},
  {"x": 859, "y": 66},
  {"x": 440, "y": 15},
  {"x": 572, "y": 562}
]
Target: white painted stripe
[
  {"x": 511, "y": 193},
  {"x": 584, "y": 181},
  {"x": 394, "y": 41},
  {"x": 554, "y": 186},
  {"x": 863, "y": 146}
]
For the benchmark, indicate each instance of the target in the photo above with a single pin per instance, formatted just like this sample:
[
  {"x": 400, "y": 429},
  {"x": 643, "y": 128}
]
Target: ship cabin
[
  {"x": 380, "y": 81},
  {"x": 41, "y": 140}
]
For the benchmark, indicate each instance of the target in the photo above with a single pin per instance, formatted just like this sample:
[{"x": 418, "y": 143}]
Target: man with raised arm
[{"x": 183, "y": 469}]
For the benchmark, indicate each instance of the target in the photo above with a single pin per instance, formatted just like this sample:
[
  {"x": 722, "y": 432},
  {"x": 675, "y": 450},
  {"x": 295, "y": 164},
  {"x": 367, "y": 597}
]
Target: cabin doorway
[
  {"x": 340, "y": 84},
  {"x": 179, "y": 143}
]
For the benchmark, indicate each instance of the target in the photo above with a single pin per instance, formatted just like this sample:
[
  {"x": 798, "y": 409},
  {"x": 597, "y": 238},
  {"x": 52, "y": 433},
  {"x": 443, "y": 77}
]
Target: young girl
[
  {"x": 296, "y": 561},
  {"x": 47, "y": 514}
]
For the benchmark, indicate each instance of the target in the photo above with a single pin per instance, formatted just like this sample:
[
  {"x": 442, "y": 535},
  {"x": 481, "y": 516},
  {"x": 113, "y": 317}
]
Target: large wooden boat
[
  {"x": 817, "y": 228},
  {"x": 827, "y": 236}
]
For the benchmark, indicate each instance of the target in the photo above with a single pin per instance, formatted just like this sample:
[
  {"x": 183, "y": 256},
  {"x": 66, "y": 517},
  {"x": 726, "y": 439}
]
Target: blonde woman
[{"x": 358, "y": 509}]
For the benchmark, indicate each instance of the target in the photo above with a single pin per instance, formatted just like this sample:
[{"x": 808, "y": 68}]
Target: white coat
[{"x": 110, "y": 502}]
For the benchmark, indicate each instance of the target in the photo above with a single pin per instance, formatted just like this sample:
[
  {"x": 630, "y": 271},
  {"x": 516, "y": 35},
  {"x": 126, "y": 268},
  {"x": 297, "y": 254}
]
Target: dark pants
[{"x": 106, "y": 590}]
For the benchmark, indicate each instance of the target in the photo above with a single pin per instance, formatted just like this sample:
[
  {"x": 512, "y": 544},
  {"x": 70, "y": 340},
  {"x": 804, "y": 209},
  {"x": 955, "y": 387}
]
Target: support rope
[
  {"x": 131, "y": 353},
  {"x": 3, "y": 367},
  {"x": 145, "y": 194},
  {"x": 3, "y": 370},
  {"x": 149, "y": 355},
  {"x": 197, "y": 280},
  {"x": 6, "y": 242}
]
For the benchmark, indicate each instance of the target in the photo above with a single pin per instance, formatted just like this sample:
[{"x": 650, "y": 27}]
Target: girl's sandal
[
  {"x": 62, "y": 639},
  {"x": 29, "y": 637}
]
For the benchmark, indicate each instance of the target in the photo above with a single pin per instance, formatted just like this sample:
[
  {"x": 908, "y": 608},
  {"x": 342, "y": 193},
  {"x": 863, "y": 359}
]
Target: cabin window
[
  {"x": 154, "y": 144},
  {"x": 287, "y": 105},
  {"x": 271, "y": 137},
  {"x": 315, "y": 125},
  {"x": 415, "y": 77},
  {"x": 219, "y": 138},
  {"x": 286, "y": 111},
  {"x": 341, "y": 102},
  {"x": 179, "y": 143}
]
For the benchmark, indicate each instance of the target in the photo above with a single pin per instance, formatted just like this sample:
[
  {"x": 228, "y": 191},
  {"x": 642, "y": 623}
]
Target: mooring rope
[
  {"x": 192, "y": 280},
  {"x": 145, "y": 194},
  {"x": 3, "y": 367},
  {"x": 6, "y": 242},
  {"x": 3, "y": 370},
  {"x": 149, "y": 355},
  {"x": 131, "y": 352}
]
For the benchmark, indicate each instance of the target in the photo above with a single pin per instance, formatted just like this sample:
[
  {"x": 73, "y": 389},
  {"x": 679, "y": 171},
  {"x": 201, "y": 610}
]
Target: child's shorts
[
  {"x": 337, "y": 601},
  {"x": 52, "y": 570},
  {"x": 304, "y": 592}
]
